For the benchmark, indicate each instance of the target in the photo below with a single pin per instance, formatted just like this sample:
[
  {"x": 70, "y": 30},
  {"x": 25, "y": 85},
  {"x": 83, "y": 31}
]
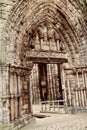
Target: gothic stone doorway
[
  {"x": 49, "y": 28},
  {"x": 45, "y": 81},
  {"x": 46, "y": 48}
]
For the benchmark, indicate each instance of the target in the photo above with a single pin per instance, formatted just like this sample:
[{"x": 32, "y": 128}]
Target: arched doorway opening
[
  {"x": 46, "y": 82},
  {"x": 47, "y": 51},
  {"x": 49, "y": 33}
]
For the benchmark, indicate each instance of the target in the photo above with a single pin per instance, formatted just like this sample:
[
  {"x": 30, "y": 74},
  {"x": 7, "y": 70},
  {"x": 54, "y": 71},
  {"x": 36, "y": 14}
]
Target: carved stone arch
[
  {"x": 27, "y": 18},
  {"x": 22, "y": 23},
  {"x": 55, "y": 16},
  {"x": 56, "y": 29},
  {"x": 72, "y": 54}
]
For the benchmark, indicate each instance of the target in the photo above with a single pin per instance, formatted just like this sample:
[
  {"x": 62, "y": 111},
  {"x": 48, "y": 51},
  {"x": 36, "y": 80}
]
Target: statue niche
[
  {"x": 46, "y": 38},
  {"x": 51, "y": 32}
]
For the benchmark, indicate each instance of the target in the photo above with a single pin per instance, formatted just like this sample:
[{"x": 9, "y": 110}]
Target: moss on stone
[{"x": 0, "y": 62}]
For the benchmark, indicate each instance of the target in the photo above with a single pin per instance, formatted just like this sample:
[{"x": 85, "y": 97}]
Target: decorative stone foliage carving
[{"x": 21, "y": 70}]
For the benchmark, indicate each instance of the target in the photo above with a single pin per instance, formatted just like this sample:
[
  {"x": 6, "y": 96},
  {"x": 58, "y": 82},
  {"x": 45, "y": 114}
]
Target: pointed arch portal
[{"x": 42, "y": 36}]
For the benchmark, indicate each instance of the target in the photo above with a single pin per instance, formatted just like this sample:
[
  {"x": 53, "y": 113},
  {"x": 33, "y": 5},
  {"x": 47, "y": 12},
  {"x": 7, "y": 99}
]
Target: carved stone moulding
[
  {"x": 48, "y": 60},
  {"x": 20, "y": 70},
  {"x": 45, "y": 54},
  {"x": 76, "y": 70}
]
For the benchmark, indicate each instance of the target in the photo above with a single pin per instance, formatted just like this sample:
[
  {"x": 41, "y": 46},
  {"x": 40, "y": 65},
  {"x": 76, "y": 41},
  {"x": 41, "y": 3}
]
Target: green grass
[{"x": 5, "y": 126}]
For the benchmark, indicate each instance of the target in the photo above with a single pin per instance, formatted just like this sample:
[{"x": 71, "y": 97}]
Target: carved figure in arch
[
  {"x": 57, "y": 40},
  {"x": 50, "y": 33},
  {"x": 56, "y": 35},
  {"x": 37, "y": 39},
  {"x": 45, "y": 33},
  {"x": 41, "y": 33},
  {"x": 32, "y": 37},
  {"x": 31, "y": 44}
]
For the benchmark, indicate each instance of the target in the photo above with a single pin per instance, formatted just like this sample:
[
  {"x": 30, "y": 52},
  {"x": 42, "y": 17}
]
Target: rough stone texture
[
  {"x": 5, "y": 10},
  {"x": 4, "y": 105},
  {"x": 19, "y": 17}
]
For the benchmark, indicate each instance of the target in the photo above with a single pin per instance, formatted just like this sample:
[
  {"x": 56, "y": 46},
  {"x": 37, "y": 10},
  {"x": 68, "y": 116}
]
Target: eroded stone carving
[{"x": 46, "y": 38}]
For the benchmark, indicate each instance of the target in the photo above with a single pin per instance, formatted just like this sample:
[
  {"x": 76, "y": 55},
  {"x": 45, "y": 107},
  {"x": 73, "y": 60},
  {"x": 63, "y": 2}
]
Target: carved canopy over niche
[{"x": 45, "y": 38}]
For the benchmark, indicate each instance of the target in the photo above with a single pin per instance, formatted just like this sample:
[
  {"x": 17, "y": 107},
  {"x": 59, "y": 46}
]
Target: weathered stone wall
[
  {"x": 5, "y": 10},
  {"x": 17, "y": 16},
  {"x": 4, "y": 104}
]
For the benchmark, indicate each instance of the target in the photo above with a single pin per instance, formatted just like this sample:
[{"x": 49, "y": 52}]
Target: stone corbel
[
  {"x": 12, "y": 70},
  {"x": 18, "y": 71}
]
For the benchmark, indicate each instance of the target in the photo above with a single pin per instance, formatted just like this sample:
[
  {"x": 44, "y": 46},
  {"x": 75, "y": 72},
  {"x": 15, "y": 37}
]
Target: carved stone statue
[
  {"x": 41, "y": 31},
  {"x": 50, "y": 32}
]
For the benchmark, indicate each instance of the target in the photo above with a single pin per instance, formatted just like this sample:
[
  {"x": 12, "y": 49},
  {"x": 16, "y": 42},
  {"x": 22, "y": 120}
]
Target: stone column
[
  {"x": 15, "y": 83},
  {"x": 85, "y": 79},
  {"x": 12, "y": 110},
  {"x": 86, "y": 84},
  {"x": 77, "y": 79},
  {"x": 83, "y": 98},
  {"x": 19, "y": 84},
  {"x": 21, "y": 109},
  {"x": 68, "y": 83},
  {"x": 30, "y": 90},
  {"x": 16, "y": 95},
  {"x": 11, "y": 83},
  {"x": 58, "y": 45},
  {"x": 77, "y": 75},
  {"x": 63, "y": 85}
]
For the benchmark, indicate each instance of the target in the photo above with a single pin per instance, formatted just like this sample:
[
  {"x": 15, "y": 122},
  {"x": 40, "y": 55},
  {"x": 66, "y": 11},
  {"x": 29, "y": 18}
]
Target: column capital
[{"x": 21, "y": 70}]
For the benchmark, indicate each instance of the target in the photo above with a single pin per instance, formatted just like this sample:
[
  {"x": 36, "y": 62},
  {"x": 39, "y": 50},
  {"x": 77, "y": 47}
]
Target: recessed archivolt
[
  {"x": 33, "y": 14},
  {"x": 64, "y": 37},
  {"x": 30, "y": 8},
  {"x": 54, "y": 18}
]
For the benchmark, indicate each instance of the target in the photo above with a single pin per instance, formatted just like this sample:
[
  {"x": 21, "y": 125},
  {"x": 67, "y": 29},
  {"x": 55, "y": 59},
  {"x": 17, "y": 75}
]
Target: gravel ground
[{"x": 59, "y": 122}]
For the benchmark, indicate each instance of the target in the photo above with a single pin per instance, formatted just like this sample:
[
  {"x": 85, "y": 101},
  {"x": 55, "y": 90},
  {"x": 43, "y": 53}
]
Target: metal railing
[{"x": 58, "y": 106}]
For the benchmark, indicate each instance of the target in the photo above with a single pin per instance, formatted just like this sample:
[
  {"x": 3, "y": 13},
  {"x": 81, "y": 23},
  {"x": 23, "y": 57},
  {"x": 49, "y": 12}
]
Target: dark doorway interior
[{"x": 45, "y": 81}]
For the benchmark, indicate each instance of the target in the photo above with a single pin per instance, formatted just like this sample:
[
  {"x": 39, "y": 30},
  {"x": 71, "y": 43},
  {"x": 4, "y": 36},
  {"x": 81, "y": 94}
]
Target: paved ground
[{"x": 59, "y": 122}]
